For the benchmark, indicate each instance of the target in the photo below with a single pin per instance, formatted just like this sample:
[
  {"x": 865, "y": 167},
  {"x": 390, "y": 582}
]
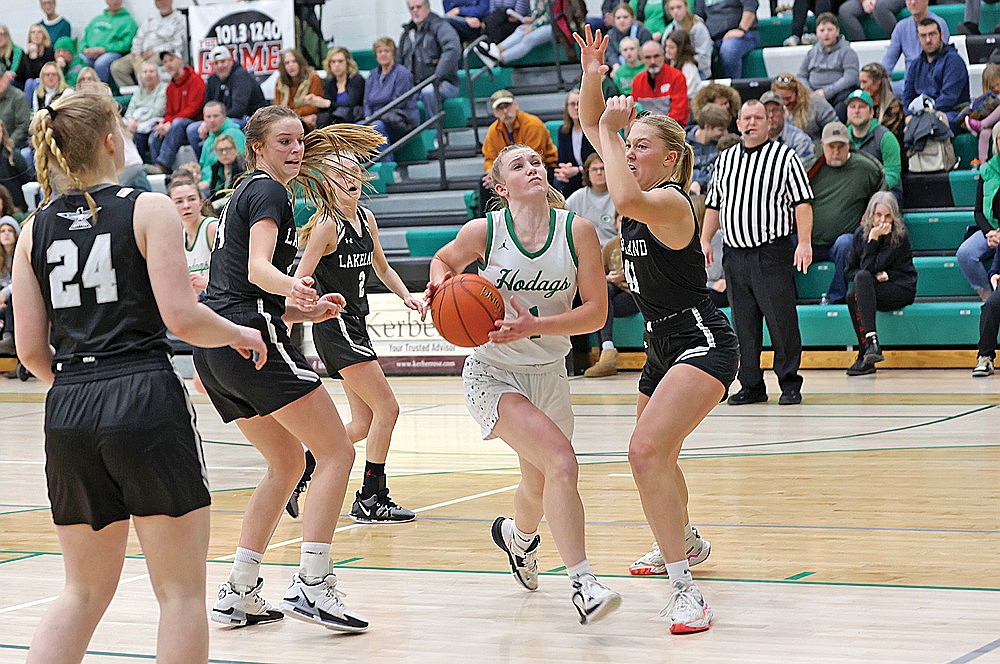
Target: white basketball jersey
[
  {"x": 543, "y": 281},
  {"x": 199, "y": 251}
]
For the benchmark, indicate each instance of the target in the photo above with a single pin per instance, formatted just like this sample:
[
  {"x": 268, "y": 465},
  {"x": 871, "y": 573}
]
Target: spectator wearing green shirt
[
  {"x": 108, "y": 37},
  {"x": 218, "y": 124},
  {"x": 628, "y": 47},
  {"x": 55, "y": 24},
  {"x": 69, "y": 62},
  {"x": 870, "y": 137}
]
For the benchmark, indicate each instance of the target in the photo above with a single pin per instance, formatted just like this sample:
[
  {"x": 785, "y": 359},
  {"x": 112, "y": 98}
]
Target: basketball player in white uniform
[{"x": 537, "y": 255}]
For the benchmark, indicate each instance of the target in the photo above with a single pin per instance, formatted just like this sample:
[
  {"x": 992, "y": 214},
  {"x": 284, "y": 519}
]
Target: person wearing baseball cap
[
  {"x": 514, "y": 126},
  {"x": 869, "y": 136},
  {"x": 782, "y": 131},
  {"x": 842, "y": 182}
]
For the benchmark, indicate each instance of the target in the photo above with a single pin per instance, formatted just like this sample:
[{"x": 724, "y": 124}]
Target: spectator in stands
[
  {"x": 229, "y": 165},
  {"x": 218, "y": 125},
  {"x": 54, "y": 24},
  {"x": 9, "y": 232},
  {"x": 297, "y": 81},
  {"x": 87, "y": 76},
  {"x": 905, "y": 40},
  {"x": 652, "y": 15},
  {"x": 683, "y": 19},
  {"x": 573, "y": 147},
  {"x": 534, "y": 30},
  {"x": 51, "y": 86},
  {"x": 981, "y": 123},
  {"x": 624, "y": 26},
  {"x": 939, "y": 73},
  {"x": 842, "y": 181},
  {"x": 14, "y": 171},
  {"x": 809, "y": 111},
  {"x": 713, "y": 120},
  {"x": 632, "y": 67},
  {"x": 15, "y": 112},
  {"x": 146, "y": 108},
  {"x": 661, "y": 88},
  {"x": 621, "y": 302},
  {"x": 830, "y": 68},
  {"x": 877, "y": 82},
  {"x": 466, "y": 17},
  {"x": 512, "y": 126},
  {"x": 11, "y": 58},
  {"x": 982, "y": 244},
  {"x": 725, "y": 96},
  {"x": 881, "y": 273},
  {"x": 343, "y": 90},
  {"x": 989, "y": 325},
  {"x": 166, "y": 30},
  {"x": 505, "y": 16},
  {"x": 734, "y": 28},
  {"x": 778, "y": 129},
  {"x": 800, "y": 10},
  {"x": 870, "y": 137},
  {"x": 679, "y": 53},
  {"x": 389, "y": 81},
  {"x": 69, "y": 62},
  {"x": 185, "y": 98},
  {"x": 593, "y": 201},
  {"x": 883, "y": 12},
  {"x": 107, "y": 38},
  {"x": 430, "y": 46},
  {"x": 235, "y": 87},
  {"x": 37, "y": 52}
]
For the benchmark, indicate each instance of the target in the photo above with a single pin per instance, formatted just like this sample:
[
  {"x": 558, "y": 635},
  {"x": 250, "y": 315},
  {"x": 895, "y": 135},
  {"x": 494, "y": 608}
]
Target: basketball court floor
[{"x": 861, "y": 526}]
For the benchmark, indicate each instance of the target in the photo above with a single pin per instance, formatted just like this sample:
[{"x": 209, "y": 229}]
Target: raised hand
[
  {"x": 618, "y": 113},
  {"x": 592, "y": 49}
]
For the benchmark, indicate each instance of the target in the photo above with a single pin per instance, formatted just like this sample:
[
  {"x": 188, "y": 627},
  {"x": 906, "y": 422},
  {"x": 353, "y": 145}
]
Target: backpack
[{"x": 935, "y": 157}]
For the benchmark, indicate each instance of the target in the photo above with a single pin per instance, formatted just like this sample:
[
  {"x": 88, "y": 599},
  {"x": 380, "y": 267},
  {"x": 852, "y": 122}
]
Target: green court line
[
  {"x": 131, "y": 655},
  {"x": 348, "y": 561},
  {"x": 33, "y": 554},
  {"x": 27, "y": 509},
  {"x": 555, "y": 570},
  {"x": 800, "y": 575}
]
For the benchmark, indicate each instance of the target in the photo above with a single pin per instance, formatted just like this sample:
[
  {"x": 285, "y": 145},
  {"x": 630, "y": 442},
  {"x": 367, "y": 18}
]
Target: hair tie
[{"x": 52, "y": 111}]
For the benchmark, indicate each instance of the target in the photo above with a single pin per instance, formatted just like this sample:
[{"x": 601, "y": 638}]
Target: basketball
[{"x": 465, "y": 308}]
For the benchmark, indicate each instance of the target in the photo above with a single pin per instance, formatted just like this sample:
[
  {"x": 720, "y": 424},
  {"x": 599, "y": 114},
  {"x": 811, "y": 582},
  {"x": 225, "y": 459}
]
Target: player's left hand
[
  {"x": 525, "y": 325},
  {"x": 803, "y": 256},
  {"x": 329, "y": 306},
  {"x": 417, "y": 305},
  {"x": 618, "y": 113}
]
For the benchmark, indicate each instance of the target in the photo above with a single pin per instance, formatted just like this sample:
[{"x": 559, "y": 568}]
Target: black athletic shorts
[
  {"x": 237, "y": 389},
  {"x": 701, "y": 337},
  {"x": 120, "y": 440},
  {"x": 342, "y": 342}
]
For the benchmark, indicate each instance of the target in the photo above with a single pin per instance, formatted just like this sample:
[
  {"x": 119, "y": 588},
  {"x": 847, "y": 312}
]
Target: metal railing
[{"x": 470, "y": 80}]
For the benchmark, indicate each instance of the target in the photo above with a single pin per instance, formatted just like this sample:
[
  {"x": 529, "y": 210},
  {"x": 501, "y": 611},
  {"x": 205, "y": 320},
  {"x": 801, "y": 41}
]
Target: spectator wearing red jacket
[
  {"x": 661, "y": 88},
  {"x": 185, "y": 99}
]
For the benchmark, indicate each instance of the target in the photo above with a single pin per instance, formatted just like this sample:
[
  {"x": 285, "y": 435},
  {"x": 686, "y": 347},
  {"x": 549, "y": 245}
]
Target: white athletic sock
[
  {"x": 607, "y": 345},
  {"x": 679, "y": 570},
  {"x": 579, "y": 570},
  {"x": 314, "y": 562},
  {"x": 522, "y": 540},
  {"x": 246, "y": 569}
]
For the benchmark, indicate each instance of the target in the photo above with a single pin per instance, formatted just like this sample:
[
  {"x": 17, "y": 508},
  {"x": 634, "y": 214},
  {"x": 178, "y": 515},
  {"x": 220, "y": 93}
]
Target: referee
[{"x": 761, "y": 196}]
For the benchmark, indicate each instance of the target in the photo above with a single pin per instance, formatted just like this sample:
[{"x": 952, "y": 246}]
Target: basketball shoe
[
  {"x": 241, "y": 609},
  {"x": 379, "y": 508},
  {"x": 687, "y": 610},
  {"x": 523, "y": 561},
  {"x": 321, "y": 603},
  {"x": 593, "y": 600},
  {"x": 653, "y": 564}
]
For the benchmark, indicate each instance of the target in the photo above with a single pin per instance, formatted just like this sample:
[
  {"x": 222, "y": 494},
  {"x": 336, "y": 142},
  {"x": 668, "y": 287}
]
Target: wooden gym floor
[{"x": 863, "y": 526}]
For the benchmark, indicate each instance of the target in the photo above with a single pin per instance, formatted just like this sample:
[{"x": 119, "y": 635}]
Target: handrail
[
  {"x": 470, "y": 80},
  {"x": 415, "y": 90}
]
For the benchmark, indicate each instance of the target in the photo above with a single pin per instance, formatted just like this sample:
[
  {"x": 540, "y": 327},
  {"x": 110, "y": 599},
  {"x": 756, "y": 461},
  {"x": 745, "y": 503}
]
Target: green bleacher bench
[
  {"x": 937, "y": 231},
  {"x": 815, "y": 282},
  {"x": 940, "y": 276},
  {"x": 365, "y": 59},
  {"x": 427, "y": 241},
  {"x": 542, "y": 55},
  {"x": 471, "y": 203},
  {"x": 484, "y": 86},
  {"x": 384, "y": 172},
  {"x": 415, "y": 150},
  {"x": 753, "y": 62},
  {"x": 966, "y": 149},
  {"x": 553, "y": 127},
  {"x": 963, "y": 183},
  {"x": 989, "y": 17}
]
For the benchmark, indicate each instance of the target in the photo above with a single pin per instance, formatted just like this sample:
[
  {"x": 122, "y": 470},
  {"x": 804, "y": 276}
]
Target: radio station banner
[
  {"x": 404, "y": 344},
  {"x": 254, "y": 32}
]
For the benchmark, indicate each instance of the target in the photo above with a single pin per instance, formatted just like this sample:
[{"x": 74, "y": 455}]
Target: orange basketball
[{"x": 465, "y": 308}]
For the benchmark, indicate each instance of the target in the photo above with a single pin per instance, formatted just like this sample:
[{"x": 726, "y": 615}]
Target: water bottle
[{"x": 824, "y": 300}]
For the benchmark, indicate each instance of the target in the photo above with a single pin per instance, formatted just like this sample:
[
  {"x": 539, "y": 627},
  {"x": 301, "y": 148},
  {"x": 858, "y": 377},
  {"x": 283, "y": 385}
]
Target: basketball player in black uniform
[
  {"x": 284, "y": 403},
  {"x": 102, "y": 266},
  {"x": 340, "y": 254},
  {"x": 692, "y": 354}
]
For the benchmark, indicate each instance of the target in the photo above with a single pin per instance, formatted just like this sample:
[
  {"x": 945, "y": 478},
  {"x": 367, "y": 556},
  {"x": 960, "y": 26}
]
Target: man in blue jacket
[
  {"x": 429, "y": 45},
  {"x": 939, "y": 72}
]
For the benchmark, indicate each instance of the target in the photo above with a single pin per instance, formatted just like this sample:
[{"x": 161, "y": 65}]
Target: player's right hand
[
  {"x": 303, "y": 294},
  {"x": 251, "y": 346}
]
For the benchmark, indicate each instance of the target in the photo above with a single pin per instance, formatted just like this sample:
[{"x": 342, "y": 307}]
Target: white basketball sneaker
[
  {"x": 593, "y": 600},
  {"x": 523, "y": 562},
  {"x": 653, "y": 564},
  {"x": 321, "y": 603},
  {"x": 687, "y": 610},
  {"x": 241, "y": 609}
]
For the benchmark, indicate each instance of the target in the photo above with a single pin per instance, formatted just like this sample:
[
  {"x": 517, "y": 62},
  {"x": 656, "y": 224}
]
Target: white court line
[{"x": 278, "y": 545}]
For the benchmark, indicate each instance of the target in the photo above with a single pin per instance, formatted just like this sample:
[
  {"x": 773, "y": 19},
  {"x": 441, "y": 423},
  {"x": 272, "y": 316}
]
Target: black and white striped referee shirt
[{"x": 755, "y": 191}]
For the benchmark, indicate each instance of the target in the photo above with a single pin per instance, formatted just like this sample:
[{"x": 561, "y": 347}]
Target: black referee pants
[{"x": 760, "y": 283}]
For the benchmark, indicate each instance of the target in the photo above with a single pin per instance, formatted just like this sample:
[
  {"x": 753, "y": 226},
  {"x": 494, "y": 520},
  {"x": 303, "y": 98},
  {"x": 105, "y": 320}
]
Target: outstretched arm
[{"x": 592, "y": 51}]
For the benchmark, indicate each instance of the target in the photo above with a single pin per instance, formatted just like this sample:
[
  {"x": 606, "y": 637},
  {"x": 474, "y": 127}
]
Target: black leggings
[
  {"x": 620, "y": 304},
  {"x": 989, "y": 325},
  {"x": 867, "y": 296}
]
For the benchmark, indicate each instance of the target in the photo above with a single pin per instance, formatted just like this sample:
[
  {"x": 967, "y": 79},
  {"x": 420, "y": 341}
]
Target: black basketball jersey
[
  {"x": 347, "y": 270},
  {"x": 93, "y": 279},
  {"x": 259, "y": 196},
  {"x": 663, "y": 280}
]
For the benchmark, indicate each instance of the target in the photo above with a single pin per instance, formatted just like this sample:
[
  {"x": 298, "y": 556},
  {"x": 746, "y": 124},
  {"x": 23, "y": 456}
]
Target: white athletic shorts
[{"x": 544, "y": 386}]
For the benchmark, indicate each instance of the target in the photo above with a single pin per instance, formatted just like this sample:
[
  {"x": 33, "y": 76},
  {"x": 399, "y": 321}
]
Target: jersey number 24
[{"x": 98, "y": 272}]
